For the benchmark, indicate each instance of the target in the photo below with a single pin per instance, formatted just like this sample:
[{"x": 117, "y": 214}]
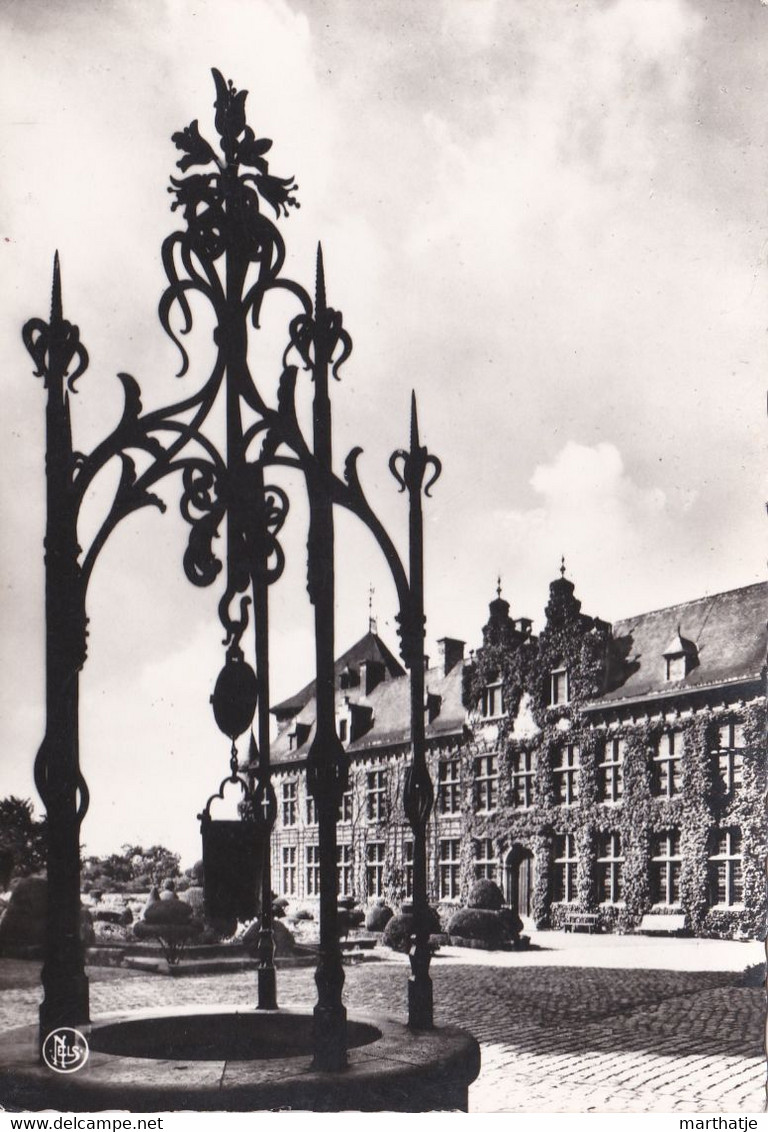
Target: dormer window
[
  {"x": 298, "y": 737},
  {"x": 680, "y": 656},
  {"x": 432, "y": 706},
  {"x": 560, "y": 692},
  {"x": 343, "y": 730},
  {"x": 350, "y": 678}
]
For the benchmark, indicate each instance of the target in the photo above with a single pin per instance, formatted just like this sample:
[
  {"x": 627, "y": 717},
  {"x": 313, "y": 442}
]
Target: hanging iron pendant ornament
[{"x": 234, "y": 697}]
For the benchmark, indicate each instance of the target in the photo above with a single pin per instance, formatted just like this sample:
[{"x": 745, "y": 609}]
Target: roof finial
[
  {"x": 372, "y": 627},
  {"x": 562, "y": 565},
  {"x": 498, "y": 586}
]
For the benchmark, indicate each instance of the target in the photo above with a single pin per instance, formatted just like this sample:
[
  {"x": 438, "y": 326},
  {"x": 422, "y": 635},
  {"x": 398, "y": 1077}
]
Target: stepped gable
[{"x": 725, "y": 633}]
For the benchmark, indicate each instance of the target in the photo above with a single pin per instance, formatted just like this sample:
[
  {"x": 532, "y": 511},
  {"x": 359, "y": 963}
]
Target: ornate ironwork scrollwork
[{"x": 202, "y": 508}]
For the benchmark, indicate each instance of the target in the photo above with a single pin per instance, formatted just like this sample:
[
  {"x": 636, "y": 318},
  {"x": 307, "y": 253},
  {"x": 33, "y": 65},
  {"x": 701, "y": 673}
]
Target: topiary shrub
[
  {"x": 397, "y": 934},
  {"x": 23, "y": 922},
  {"x": 511, "y": 923},
  {"x": 194, "y": 897},
  {"x": 480, "y": 924},
  {"x": 485, "y": 894},
  {"x": 279, "y": 905},
  {"x": 301, "y": 914},
  {"x": 378, "y": 917},
  {"x": 166, "y": 909},
  {"x": 285, "y": 944}
]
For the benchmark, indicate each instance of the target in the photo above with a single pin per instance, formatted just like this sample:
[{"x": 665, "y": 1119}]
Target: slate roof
[
  {"x": 728, "y": 631},
  {"x": 389, "y": 703},
  {"x": 369, "y": 647}
]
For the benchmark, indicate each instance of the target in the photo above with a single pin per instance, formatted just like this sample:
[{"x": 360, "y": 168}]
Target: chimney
[{"x": 450, "y": 652}]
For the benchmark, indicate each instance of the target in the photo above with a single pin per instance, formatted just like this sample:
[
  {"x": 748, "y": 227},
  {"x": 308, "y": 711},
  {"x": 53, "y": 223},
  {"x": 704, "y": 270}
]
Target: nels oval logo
[{"x": 65, "y": 1050}]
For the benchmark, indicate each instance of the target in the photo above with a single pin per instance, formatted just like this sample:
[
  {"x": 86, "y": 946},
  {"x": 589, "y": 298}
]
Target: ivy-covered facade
[{"x": 613, "y": 771}]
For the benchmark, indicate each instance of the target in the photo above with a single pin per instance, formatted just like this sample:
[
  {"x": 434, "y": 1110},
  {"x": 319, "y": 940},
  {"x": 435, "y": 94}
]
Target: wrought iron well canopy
[{"x": 230, "y": 253}]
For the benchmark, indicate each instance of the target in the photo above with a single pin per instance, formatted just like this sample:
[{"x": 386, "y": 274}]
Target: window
[
  {"x": 344, "y": 869},
  {"x": 566, "y": 864},
  {"x": 486, "y": 782},
  {"x": 345, "y": 808},
  {"x": 289, "y": 803},
  {"x": 725, "y": 878},
  {"x": 666, "y": 777},
  {"x": 376, "y": 795},
  {"x": 408, "y": 857},
  {"x": 311, "y": 810},
  {"x": 559, "y": 689},
  {"x": 485, "y": 859},
  {"x": 665, "y": 867},
  {"x": 374, "y": 868},
  {"x": 609, "y": 864},
  {"x": 312, "y": 854},
  {"x": 566, "y": 773},
  {"x": 610, "y": 786},
  {"x": 450, "y": 852},
  {"x": 492, "y": 701},
  {"x": 522, "y": 779},
  {"x": 448, "y": 787},
  {"x": 342, "y": 730},
  {"x": 289, "y": 870},
  {"x": 729, "y": 758}
]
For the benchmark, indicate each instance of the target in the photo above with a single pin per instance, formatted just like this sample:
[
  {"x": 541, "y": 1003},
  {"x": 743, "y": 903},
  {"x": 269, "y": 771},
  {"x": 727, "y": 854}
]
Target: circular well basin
[{"x": 214, "y": 1037}]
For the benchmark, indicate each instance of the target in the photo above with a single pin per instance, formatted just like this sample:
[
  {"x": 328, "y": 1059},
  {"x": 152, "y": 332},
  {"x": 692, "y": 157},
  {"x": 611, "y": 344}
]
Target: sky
[{"x": 547, "y": 218}]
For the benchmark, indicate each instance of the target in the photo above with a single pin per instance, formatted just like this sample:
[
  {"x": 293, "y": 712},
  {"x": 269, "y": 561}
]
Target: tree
[
  {"x": 133, "y": 865},
  {"x": 23, "y": 839}
]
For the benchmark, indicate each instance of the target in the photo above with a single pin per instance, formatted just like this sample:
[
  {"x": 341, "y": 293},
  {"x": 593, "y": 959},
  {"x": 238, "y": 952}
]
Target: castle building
[{"x": 615, "y": 772}]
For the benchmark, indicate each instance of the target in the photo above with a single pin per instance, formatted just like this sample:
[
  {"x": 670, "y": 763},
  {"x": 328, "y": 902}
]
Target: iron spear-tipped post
[
  {"x": 418, "y": 794},
  {"x": 326, "y": 761},
  {"x": 54, "y": 346},
  {"x": 264, "y": 803}
]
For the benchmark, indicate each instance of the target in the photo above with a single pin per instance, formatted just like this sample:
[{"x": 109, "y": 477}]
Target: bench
[
  {"x": 588, "y": 920},
  {"x": 656, "y": 923}
]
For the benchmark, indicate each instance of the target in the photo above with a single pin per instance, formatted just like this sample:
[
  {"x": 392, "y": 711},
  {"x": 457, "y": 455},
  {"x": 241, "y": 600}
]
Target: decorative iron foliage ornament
[{"x": 229, "y": 252}]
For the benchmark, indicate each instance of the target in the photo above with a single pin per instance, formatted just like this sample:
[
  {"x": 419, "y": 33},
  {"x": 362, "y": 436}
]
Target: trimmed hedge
[
  {"x": 480, "y": 924},
  {"x": 378, "y": 917},
  {"x": 397, "y": 934},
  {"x": 485, "y": 894}
]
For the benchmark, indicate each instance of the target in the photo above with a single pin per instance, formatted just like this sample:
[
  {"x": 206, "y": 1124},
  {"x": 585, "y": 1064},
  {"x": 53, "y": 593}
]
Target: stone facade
[{"x": 616, "y": 770}]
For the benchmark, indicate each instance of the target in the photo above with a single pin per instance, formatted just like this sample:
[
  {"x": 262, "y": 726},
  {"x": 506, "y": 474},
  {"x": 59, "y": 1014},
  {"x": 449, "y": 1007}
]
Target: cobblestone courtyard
[{"x": 601, "y": 1024}]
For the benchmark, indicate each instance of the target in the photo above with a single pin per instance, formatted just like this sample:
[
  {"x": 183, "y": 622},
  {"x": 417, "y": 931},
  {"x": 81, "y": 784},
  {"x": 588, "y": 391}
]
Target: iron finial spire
[
  {"x": 562, "y": 565},
  {"x": 319, "y": 280},
  {"x": 56, "y": 306},
  {"x": 415, "y": 442},
  {"x": 498, "y": 586},
  {"x": 372, "y": 627}
]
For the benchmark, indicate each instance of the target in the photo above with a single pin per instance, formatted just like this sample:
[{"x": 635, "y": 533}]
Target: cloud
[{"x": 547, "y": 218}]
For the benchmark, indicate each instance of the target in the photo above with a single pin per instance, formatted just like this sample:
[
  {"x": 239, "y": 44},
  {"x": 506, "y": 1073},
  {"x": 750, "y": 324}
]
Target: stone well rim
[{"x": 401, "y": 1070}]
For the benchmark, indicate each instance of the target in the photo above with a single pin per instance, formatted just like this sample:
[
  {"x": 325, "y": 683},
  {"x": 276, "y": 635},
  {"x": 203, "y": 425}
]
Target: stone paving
[{"x": 586, "y": 1024}]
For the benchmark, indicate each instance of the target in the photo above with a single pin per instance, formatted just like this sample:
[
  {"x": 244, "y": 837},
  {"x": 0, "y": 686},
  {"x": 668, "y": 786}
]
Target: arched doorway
[{"x": 518, "y": 879}]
